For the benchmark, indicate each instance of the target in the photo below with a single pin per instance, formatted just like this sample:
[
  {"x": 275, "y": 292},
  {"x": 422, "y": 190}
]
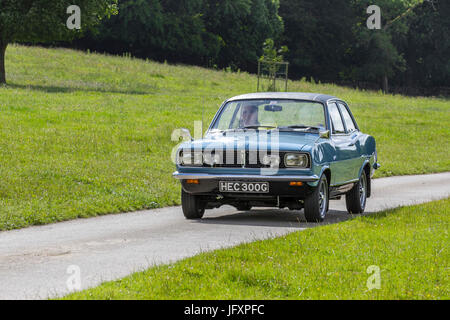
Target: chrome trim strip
[
  {"x": 204, "y": 176},
  {"x": 344, "y": 183}
]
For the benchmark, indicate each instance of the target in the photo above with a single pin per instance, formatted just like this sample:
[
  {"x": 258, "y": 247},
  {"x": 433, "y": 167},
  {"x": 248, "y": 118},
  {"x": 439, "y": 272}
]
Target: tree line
[
  {"x": 211, "y": 33},
  {"x": 328, "y": 40}
]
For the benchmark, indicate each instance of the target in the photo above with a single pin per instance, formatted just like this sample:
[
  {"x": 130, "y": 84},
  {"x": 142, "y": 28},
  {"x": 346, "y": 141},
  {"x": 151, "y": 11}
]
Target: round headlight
[
  {"x": 191, "y": 159},
  {"x": 271, "y": 160},
  {"x": 186, "y": 158},
  {"x": 211, "y": 158},
  {"x": 296, "y": 160}
]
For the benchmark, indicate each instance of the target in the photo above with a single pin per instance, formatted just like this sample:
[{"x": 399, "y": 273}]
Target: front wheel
[
  {"x": 192, "y": 207},
  {"x": 316, "y": 204},
  {"x": 244, "y": 207},
  {"x": 356, "y": 198}
]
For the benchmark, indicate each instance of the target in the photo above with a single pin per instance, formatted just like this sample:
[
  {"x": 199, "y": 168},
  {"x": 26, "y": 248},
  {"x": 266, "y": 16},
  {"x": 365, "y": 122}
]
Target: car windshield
[{"x": 270, "y": 114}]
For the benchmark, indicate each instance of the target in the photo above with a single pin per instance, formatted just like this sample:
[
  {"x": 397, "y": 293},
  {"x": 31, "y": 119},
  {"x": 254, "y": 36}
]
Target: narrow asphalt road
[{"x": 37, "y": 262}]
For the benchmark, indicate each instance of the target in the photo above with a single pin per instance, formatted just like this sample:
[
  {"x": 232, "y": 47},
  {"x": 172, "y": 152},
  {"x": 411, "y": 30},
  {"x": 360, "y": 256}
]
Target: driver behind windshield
[{"x": 249, "y": 116}]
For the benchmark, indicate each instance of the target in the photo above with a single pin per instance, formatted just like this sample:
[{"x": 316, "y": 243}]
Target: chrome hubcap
[
  {"x": 362, "y": 190},
  {"x": 323, "y": 194}
]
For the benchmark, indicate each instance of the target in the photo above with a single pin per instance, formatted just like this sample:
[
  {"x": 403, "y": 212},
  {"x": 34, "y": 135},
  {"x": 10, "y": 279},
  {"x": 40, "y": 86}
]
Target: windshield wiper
[
  {"x": 256, "y": 127},
  {"x": 300, "y": 126},
  {"x": 293, "y": 127}
]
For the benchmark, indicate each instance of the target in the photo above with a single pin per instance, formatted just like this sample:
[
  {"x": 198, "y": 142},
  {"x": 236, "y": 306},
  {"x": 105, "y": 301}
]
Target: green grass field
[
  {"x": 409, "y": 246},
  {"x": 88, "y": 134}
]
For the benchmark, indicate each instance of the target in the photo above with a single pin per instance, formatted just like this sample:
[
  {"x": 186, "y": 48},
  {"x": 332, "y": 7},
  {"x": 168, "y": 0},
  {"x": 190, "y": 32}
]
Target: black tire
[
  {"x": 356, "y": 198},
  {"x": 316, "y": 204},
  {"x": 244, "y": 207},
  {"x": 192, "y": 207}
]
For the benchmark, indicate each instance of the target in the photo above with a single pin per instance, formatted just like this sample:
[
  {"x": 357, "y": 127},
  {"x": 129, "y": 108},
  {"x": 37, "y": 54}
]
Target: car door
[
  {"x": 342, "y": 166},
  {"x": 354, "y": 137}
]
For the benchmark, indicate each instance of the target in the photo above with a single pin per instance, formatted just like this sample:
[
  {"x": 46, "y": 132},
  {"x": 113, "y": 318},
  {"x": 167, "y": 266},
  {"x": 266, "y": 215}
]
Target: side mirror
[
  {"x": 186, "y": 134},
  {"x": 324, "y": 134}
]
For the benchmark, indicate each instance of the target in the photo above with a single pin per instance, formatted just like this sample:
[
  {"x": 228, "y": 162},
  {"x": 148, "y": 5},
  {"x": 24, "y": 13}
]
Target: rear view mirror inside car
[{"x": 273, "y": 108}]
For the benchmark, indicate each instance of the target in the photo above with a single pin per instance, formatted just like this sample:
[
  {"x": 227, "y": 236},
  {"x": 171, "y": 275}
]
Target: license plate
[{"x": 244, "y": 187}]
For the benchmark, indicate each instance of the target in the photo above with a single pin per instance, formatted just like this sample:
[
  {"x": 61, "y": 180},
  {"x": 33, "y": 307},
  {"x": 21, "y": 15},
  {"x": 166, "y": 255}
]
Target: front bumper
[
  {"x": 207, "y": 176},
  {"x": 208, "y": 184}
]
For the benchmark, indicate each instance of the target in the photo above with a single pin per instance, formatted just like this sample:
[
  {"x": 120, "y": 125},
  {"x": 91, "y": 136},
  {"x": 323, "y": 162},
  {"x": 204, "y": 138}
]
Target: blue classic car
[{"x": 284, "y": 150}]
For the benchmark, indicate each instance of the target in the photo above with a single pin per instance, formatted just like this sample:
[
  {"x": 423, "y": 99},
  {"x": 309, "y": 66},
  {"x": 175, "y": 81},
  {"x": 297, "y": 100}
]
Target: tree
[
  {"x": 170, "y": 30},
  {"x": 377, "y": 53},
  {"x": 318, "y": 34},
  {"x": 272, "y": 58},
  {"x": 330, "y": 41},
  {"x": 243, "y": 25},
  {"x": 428, "y": 46},
  {"x": 271, "y": 54},
  {"x": 45, "y": 21},
  {"x": 203, "y": 32}
]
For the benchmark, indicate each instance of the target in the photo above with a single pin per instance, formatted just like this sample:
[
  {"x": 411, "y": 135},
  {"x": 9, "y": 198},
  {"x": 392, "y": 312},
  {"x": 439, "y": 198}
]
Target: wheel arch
[
  {"x": 327, "y": 173},
  {"x": 366, "y": 169}
]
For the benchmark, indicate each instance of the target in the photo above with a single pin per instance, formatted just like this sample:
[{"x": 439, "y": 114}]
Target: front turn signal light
[{"x": 296, "y": 184}]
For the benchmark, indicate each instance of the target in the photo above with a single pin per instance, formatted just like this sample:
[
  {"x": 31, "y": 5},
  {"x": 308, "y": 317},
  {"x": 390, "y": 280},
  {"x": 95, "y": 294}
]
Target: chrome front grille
[{"x": 245, "y": 159}]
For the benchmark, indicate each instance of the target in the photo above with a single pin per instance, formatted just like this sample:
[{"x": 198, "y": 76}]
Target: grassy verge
[
  {"x": 88, "y": 134},
  {"x": 409, "y": 245}
]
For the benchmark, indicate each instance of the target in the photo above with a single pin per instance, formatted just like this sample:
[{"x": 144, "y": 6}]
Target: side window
[
  {"x": 227, "y": 115},
  {"x": 336, "y": 120},
  {"x": 347, "y": 118}
]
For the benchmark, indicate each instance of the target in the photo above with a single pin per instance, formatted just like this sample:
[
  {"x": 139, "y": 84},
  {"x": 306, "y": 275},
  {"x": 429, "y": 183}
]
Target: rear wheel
[
  {"x": 356, "y": 198},
  {"x": 192, "y": 207},
  {"x": 316, "y": 204}
]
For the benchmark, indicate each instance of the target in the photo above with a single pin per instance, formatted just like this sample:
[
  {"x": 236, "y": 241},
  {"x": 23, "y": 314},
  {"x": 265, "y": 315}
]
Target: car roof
[{"x": 285, "y": 95}]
